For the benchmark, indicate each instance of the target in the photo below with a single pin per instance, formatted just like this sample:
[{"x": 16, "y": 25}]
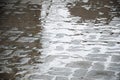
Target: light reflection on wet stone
[{"x": 59, "y": 39}]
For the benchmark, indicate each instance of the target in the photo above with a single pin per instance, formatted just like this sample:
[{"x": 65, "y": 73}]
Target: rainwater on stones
[{"x": 59, "y": 39}]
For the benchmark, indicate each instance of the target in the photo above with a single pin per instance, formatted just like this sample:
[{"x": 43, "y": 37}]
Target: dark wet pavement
[
  {"x": 59, "y": 40},
  {"x": 20, "y": 29},
  {"x": 95, "y": 10}
]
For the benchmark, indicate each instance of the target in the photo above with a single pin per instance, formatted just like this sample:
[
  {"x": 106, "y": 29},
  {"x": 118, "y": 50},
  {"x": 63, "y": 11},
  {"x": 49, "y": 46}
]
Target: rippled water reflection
[
  {"x": 20, "y": 29},
  {"x": 97, "y": 11}
]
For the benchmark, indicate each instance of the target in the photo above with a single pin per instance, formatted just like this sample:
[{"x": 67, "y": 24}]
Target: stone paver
[
  {"x": 59, "y": 73},
  {"x": 79, "y": 64},
  {"x": 40, "y": 77},
  {"x": 98, "y": 66},
  {"x": 116, "y": 58},
  {"x": 104, "y": 75},
  {"x": 80, "y": 73},
  {"x": 61, "y": 78}
]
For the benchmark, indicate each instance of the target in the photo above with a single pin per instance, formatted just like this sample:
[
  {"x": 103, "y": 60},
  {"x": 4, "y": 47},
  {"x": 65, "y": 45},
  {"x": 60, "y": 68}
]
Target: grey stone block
[
  {"x": 60, "y": 69},
  {"x": 114, "y": 65},
  {"x": 115, "y": 58},
  {"x": 59, "y": 48},
  {"x": 75, "y": 78},
  {"x": 96, "y": 59},
  {"x": 79, "y": 64},
  {"x": 59, "y": 73},
  {"x": 40, "y": 77},
  {"x": 118, "y": 76},
  {"x": 82, "y": 78},
  {"x": 80, "y": 73},
  {"x": 61, "y": 78},
  {"x": 98, "y": 66},
  {"x": 100, "y": 74},
  {"x": 98, "y": 55},
  {"x": 117, "y": 69},
  {"x": 73, "y": 49}
]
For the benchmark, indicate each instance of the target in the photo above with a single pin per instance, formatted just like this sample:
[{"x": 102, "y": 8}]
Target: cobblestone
[
  {"x": 60, "y": 69},
  {"x": 79, "y": 64},
  {"x": 113, "y": 69},
  {"x": 96, "y": 59},
  {"x": 60, "y": 73},
  {"x": 98, "y": 55},
  {"x": 40, "y": 77},
  {"x": 116, "y": 58},
  {"x": 98, "y": 66},
  {"x": 104, "y": 75},
  {"x": 61, "y": 78},
  {"x": 118, "y": 76},
  {"x": 114, "y": 64},
  {"x": 80, "y": 73},
  {"x": 76, "y": 78}
]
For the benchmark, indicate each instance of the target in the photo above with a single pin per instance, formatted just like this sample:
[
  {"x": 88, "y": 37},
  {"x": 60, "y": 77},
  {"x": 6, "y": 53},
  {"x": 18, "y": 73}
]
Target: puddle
[{"x": 96, "y": 11}]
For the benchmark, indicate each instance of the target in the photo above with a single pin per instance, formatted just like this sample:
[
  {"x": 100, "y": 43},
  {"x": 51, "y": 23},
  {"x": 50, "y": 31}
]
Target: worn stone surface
[
  {"x": 116, "y": 58},
  {"x": 58, "y": 40},
  {"x": 40, "y": 77},
  {"x": 80, "y": 73},
  {"x": 99, "y": 74},
  {"x": 79, "y": 64},
  {"x": 18, "y": 44},
  {"x": 98, "y": 66},
  {"x": 60, "y": 73},
  {"x": 61, "y": 78}
]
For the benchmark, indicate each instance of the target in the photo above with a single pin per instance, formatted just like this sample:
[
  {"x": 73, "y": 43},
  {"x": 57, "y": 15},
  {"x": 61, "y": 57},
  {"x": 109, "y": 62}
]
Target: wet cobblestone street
[{"x": 59, "y": 40}]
